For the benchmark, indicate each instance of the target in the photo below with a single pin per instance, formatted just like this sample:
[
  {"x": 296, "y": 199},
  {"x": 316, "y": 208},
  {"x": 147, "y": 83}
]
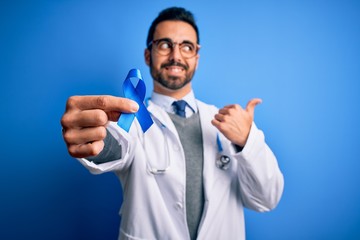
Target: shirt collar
[{"x": 165, "y": 102}]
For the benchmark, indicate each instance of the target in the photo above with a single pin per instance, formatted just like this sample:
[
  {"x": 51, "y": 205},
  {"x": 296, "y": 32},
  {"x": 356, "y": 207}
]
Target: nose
[{"x": 175, "y": 53}]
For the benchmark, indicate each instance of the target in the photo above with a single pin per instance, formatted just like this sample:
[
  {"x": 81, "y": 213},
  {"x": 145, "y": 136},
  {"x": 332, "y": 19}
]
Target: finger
[
  {"x": 219, "y": 125},
  {"x": 216, "y": 123},
  {"x": 86, "y": 118},
  {"x": 224, "y": 110},
  {"x": 250, "y": 107},
  {"x": 86, "y": 150},
  {"x": 104, "y": 102},
  {"x": 85, "y": 135},
  {"x": 220, "y": 117},
  {"x": 232, "y": 106},
  {"x": 230, "y": 109},
  {"x": 91, "y": 118}
]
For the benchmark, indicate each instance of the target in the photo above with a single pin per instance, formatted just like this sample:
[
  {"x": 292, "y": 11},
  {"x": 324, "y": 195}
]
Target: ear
[{"x": 147, "y": 55}]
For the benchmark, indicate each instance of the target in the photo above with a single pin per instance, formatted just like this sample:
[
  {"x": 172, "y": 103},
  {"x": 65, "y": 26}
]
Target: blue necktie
[{"x": 180, "y": 107}]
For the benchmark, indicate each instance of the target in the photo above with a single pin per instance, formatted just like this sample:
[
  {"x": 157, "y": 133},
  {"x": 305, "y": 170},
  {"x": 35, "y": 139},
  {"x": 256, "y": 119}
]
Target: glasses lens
[
  {"x": 163, "y": 47},
  {"x": 187, "y": 49}
]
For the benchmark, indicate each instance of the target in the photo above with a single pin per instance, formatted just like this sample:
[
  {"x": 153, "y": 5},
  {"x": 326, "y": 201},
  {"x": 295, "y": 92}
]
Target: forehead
[{"x": 178, "y": 31}]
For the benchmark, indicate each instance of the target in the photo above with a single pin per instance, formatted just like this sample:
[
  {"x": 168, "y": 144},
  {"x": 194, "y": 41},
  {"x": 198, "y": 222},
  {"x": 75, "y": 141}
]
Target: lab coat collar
[
  {"x": 165, "y": 102},
  {"x": 160, "y": 115}
]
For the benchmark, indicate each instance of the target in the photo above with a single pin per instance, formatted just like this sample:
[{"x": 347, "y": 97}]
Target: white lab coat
[{"x": 154, "y": 205}]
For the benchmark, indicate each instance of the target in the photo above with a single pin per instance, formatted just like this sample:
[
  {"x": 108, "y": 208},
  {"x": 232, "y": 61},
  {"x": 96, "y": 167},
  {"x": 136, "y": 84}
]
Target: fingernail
[{"x": 134, "y": 107}]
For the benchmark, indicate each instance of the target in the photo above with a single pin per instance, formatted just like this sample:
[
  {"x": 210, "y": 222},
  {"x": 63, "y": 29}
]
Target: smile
[{"x": 174, "y": 69}]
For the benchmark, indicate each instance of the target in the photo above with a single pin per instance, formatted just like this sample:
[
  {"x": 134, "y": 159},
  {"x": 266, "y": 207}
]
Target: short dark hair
[{"x": 175, "y": 14}]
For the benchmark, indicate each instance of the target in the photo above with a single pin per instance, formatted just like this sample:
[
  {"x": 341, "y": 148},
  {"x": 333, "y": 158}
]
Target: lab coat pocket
[{"x": 225, "y": 163}]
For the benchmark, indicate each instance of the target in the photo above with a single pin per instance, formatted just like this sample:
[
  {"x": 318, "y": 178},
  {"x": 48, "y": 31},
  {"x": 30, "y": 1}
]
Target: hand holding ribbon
[{"x": 138, "y": 95}]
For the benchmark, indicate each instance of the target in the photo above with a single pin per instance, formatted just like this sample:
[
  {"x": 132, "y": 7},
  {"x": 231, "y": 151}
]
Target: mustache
[{"x": 174, "y": 63}]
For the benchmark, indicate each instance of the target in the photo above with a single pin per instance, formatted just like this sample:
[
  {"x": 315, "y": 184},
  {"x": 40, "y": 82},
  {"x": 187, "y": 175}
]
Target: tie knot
[{"x": 180, "y": 107}]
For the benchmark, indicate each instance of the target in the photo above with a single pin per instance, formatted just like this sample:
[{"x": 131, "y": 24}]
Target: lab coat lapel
[{"x": 162, "y": 116}]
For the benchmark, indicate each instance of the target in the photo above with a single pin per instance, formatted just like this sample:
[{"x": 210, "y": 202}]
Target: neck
[{"x": 177, "y": 94}]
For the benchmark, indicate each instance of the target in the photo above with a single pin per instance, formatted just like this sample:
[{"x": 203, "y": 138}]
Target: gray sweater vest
[{"x": 189, "y": 130}]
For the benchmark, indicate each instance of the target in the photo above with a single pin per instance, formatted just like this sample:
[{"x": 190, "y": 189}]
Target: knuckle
[
  {"x": 68, "y": 137},
  {"x": 94, "y": 152},
  {"x": 65, "y": 120},
  {"x": 102, "y": 101},
  {"x": 101, "y": 133},
  {"x": 222, "y": 127},
  {"x": 73, "y": 150},
  {"x": 95, "y": 148},
  {"x": 235, "y": 109},
  {"x": 225, "y": 118},
  {"x": 71, "y": 102},
  {"x": 100, "y": 117}
]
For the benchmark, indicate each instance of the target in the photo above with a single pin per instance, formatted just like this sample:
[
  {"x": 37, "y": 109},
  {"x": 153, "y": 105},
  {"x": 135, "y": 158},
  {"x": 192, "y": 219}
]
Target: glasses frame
[{"x": 196, "y": 46}]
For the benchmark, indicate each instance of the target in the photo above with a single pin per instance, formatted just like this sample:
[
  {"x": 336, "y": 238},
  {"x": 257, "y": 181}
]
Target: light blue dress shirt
[{"x": 165, "y": 102}]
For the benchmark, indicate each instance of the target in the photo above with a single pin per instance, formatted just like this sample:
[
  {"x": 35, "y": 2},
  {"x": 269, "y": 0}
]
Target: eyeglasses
[{"x": 165, "y": 46}]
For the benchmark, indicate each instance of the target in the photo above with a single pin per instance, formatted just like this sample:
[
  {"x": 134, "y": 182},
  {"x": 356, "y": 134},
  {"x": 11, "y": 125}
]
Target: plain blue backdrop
[{"x": 301, "y": 57}]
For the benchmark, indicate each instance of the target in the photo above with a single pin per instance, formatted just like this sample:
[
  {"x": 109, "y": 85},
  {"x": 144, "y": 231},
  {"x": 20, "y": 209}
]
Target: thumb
[{"x": 250, "y": 107}]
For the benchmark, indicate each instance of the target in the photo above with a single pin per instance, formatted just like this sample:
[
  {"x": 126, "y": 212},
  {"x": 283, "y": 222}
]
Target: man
[{"x": 188, "y": 176}]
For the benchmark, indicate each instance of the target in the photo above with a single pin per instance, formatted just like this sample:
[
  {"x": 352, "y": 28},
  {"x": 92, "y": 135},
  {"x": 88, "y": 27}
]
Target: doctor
[{"x": 195, "y": 169}]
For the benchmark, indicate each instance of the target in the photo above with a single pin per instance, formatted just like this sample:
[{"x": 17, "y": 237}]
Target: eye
[
  {"x": 164, "y": 45},
  {"x": 187, "y": 47}
]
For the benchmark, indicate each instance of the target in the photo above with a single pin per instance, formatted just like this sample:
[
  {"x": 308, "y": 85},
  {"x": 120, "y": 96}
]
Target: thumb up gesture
[{"x": 235, "y": 122}]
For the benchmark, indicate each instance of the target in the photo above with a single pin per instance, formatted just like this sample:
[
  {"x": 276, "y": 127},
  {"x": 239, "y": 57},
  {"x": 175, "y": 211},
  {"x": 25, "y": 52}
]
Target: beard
[{"x": 168, "y": 81}]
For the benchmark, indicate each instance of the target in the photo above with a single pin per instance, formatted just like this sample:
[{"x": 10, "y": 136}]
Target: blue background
[{"x": 300, "y": 57}]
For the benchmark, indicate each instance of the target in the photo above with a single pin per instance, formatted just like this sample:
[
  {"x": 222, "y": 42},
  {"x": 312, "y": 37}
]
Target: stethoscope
[
  {"x": 222, "y": 161},
  {"x": 152, "y": 169}
]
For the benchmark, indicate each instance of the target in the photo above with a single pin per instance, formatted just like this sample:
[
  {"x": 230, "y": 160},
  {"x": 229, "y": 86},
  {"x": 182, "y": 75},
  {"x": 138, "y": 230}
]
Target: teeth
[{"x": 175, "y": 69}]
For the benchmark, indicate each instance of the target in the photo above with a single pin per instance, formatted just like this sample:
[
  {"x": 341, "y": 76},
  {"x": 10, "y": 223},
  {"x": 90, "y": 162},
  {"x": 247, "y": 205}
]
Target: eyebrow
[
  {"x": 189, "y": 42},
  {"x": 170, "y": 40}
]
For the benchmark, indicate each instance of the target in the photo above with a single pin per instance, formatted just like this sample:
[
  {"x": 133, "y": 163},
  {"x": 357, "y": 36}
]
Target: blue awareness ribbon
[{"x": 138, "y": 95}]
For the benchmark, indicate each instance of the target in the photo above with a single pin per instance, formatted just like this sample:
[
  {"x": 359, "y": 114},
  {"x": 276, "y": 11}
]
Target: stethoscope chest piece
[{"x": 223, "y": 162}]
